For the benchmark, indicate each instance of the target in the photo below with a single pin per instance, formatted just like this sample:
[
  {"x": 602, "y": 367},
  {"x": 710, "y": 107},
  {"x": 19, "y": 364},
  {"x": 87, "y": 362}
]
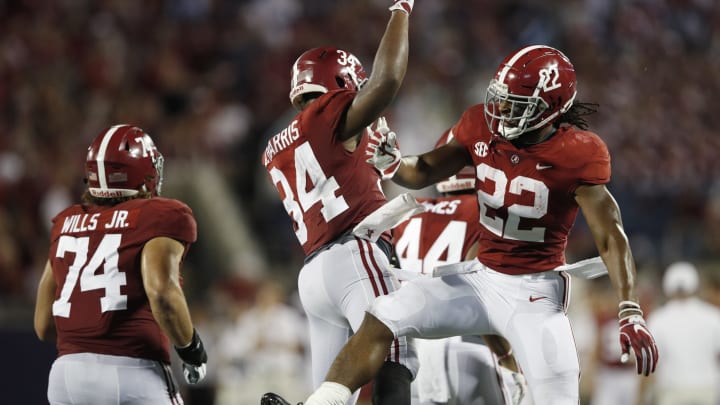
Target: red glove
[
  {"x": 635, "y": 334},
  {"x": 403, "y": 5},
  {"x": 383, "y": 150}
]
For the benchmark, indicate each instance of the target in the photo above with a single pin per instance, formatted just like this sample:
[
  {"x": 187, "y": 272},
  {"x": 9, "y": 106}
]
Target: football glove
[
  {"x": 194, "y": 359},
  {"x": 520, "y": 388},
  {"x": 383, "y": 150},
  {"x": 403, "y": 5},
  {"x": 635, "y": 334}
]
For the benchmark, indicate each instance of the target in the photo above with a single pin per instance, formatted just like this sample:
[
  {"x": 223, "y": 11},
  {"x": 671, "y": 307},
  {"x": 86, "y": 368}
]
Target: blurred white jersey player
[
  {"x": 456, "y": 370},
  {"x": 687, "y": 331}
]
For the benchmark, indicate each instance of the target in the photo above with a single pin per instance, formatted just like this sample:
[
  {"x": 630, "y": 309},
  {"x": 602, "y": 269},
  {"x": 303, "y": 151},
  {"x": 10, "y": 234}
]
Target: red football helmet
[
  {"x": 532, "y": 87},
  {"x": 320, "y": 70},
  {"x": 121, "y": 161},
  {"x": 462, "y": 180}
]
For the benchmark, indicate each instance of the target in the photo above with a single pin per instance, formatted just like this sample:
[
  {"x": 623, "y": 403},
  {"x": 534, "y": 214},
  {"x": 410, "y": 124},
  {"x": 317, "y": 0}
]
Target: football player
[
  {"x": 536, "y": 166},
  {"x": 110, "y": 295},
  {"x": 317, "y": 163},
  {"x": 456, "y": 370}
]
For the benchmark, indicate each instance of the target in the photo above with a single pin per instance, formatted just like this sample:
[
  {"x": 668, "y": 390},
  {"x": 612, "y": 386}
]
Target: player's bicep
[
  {"x": 43, "y": 319},
  {"x": 160, "y": 264}
]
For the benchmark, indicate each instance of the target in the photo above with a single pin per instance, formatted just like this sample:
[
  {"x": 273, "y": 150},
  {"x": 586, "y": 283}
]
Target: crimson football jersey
[
  {"x": 526, "y": 195},
  {"x": 325, "y": 189},
  {"x": 442, "y": 234},
  {"x": 100, "y": 304}
]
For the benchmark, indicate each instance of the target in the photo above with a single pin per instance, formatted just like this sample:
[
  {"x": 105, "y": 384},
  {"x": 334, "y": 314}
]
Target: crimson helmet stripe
[
  {"x": 100, "y": 157},
  {"x": 510, "y": 63}
]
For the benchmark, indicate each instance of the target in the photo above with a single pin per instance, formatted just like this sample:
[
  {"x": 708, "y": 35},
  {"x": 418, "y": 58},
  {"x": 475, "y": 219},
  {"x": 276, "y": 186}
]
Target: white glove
[
  {"x": 194, "y": 359},
  {"x": 383, "y": 150},
  {"x": 520, "y": 388},
  {"x": 194, "y": 374},
  {"x": 403, "y": 5}
]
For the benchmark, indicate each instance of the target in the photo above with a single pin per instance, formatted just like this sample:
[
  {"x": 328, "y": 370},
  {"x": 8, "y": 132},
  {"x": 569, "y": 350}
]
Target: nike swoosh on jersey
[
  {"x": 533, "y": 299},
  {"x": 542, "y": 167}
]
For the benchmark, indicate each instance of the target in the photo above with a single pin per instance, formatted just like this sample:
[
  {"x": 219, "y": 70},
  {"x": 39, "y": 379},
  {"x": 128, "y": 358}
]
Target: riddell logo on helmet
[{"x": 106, "y": 193}]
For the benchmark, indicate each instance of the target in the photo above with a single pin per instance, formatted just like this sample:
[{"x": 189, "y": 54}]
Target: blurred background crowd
[{"x": 209, "y": 80}]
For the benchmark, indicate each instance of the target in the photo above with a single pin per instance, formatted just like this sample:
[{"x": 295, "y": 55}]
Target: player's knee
[{"x": 375, "y": 328}]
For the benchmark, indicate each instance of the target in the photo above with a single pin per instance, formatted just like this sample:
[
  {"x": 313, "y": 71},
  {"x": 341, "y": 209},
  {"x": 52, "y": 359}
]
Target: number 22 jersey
[{"x": 527, "y": 195}]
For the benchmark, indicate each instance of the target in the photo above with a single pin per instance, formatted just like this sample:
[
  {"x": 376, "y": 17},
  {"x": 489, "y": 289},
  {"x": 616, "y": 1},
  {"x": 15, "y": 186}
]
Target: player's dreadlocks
[{"x": 575, "y": 115}]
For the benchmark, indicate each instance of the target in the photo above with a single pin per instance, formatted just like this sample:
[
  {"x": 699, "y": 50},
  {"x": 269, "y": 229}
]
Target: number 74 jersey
[{"x": 100, "y": 305}]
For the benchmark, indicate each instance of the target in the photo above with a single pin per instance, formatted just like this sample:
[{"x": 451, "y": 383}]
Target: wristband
[
  {"x": 629, "y": 308},
  {"x": 403, "y": 5},
  {"x": 194, "y": 353}
]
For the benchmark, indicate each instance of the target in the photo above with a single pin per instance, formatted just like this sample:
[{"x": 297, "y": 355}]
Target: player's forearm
[
  {"x": 414, "y": 173},
  {"x": 172, "y": 315},
  {"x": 390, "y": 63},
  {"x": 615, "y": 252}
]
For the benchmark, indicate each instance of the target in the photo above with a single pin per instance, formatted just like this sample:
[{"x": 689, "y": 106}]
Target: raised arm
[
  {"x": 387, "y": 74},
  {"x": 603, "y": 217}
]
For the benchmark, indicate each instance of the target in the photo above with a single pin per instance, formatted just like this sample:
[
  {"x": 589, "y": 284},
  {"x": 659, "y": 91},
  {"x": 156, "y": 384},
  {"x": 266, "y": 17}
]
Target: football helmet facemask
[
  {"x": 532, "y": 87},
  {"x": 462, "y": 180},
  {"x": 320, "y": 70},
  {"x": 121, "y": 161}
]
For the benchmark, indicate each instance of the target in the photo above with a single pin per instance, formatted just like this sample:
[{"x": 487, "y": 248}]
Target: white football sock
[{"x": 329, "y": 393}]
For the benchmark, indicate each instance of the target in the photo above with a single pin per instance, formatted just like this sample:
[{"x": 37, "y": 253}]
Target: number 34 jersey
[
  {"x": 527, "y": 195},
  {"x": 100, "y": 305},
  {"x": 325, "y": 189}
]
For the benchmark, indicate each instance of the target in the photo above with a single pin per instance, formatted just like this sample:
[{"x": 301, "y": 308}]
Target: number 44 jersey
[
  {"x": 95, "y": 254},
  {"x": 325, "y": 189},
  {"x": 443, "y": 234}
]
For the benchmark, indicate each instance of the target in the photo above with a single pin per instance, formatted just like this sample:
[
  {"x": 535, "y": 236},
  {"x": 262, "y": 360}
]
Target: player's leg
[
  {"x": 391, "y": 384},
  {"x": 336, "y": 288},
  {"x": 88, "y": 378},
  {"x": 328, "y": 327},
  {"x": 540, "y": 334},
  {"x": 437, "y": 307}
]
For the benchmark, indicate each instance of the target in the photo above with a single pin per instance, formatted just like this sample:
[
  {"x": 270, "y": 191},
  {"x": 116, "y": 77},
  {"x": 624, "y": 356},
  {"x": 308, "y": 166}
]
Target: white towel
[
  {"x": 432, "y": 381},
  {"x": 387, "y": 217},
  {"x": 587, "y": 269}
]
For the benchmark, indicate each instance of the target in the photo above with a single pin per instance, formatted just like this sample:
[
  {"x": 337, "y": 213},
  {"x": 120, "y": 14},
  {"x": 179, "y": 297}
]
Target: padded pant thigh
[{"x": 433, "y": 308}]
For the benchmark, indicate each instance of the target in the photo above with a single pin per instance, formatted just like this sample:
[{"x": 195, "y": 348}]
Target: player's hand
[
  {"x": 403, "y": 5},
  {"x": 194, "y": 359},
  {"x": 383, "y": 150},
  {"x": 635, "y": 334},
  {"x": 520, "y": 388}
]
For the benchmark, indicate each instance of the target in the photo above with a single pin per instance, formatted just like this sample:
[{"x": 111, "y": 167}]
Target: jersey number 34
[{"x": 323, "y": 190}]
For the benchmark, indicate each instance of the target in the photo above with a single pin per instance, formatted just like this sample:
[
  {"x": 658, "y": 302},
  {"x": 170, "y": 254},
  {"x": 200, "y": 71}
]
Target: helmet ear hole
[{"x": 340, "y": 82}]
